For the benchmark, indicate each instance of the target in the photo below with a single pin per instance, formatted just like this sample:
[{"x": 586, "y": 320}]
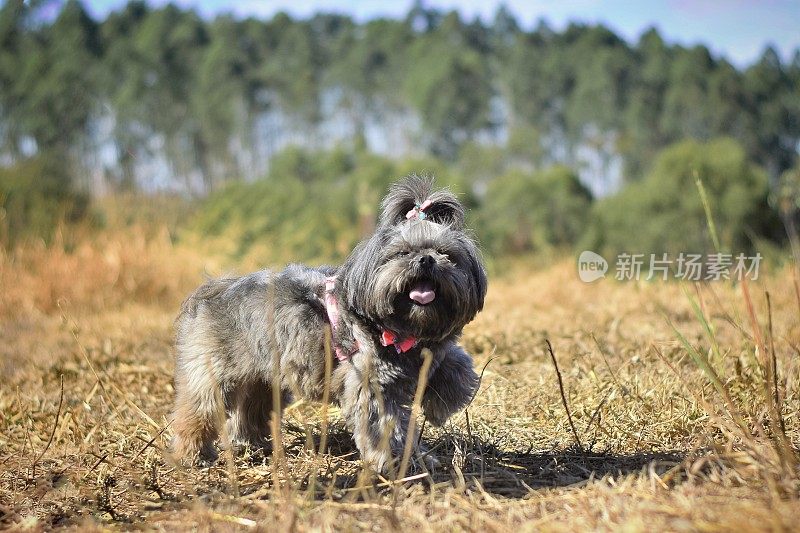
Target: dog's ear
[{"x": 414, "y": 197}]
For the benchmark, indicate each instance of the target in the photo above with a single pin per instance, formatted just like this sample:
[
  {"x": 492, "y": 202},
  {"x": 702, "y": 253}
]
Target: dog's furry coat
[{"x": 232, "y": 332}]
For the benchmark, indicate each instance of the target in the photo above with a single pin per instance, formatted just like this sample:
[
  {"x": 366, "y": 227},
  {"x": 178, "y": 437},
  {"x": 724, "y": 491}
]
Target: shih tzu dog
[{"x": 412, "y": 285}]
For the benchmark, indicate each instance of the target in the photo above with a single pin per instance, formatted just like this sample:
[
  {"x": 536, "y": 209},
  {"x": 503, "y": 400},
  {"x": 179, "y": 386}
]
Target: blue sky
[{"x": 736, "y": 29}]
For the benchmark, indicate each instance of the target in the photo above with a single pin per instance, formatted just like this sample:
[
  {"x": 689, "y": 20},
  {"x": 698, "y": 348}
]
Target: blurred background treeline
[{"x": 276, "y": 138}]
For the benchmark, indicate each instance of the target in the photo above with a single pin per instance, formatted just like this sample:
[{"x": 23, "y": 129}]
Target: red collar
[{"x": 388, "y": 338}]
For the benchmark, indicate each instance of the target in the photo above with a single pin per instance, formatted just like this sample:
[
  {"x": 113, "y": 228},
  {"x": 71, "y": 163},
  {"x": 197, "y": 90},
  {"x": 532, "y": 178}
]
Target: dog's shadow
[
  {"x": 515, "y": 473},
  {"x": 473, "y": 461}
]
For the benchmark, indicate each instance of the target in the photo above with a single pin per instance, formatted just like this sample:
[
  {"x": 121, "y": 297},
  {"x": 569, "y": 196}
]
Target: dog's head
[{"x": 420, "y": 274}]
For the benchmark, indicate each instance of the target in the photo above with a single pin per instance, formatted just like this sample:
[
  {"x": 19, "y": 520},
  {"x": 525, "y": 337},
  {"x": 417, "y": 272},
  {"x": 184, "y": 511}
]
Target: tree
[
  {"x": 774, "y": 113},
  {"x": 195, "y": 102},
  {"x": 602, "y": 64},
  {"x": 13, "y": 14},
  {"x": 122, "y": 78},
  {"x": 57, "y": 82},
  {"x": 448, "y": 84},
  {"x": 505, "y": 27},
  {"x": 536, "y": 83},
  {"x": 293, "y": 67},
  {"x": 219, "y": 100},
  {"x": 787, "y": 201},
  {"x": 539, "y": 211},
  {"x": 664, "y": 213},
  {"x": 36, "y": 195},
  {"x": 370, "y": 71},
  {"x": 642, "y": 135},
  {"x": 157, "y": 74},
  {"x": 686, "y": 112}
]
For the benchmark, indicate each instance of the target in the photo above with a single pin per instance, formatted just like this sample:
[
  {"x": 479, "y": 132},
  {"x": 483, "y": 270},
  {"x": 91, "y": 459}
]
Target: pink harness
[{"x": 388, "y": 338}]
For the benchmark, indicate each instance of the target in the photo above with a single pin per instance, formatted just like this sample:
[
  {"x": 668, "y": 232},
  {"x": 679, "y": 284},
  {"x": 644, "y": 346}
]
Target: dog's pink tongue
[{"x": 422, "y": 293}]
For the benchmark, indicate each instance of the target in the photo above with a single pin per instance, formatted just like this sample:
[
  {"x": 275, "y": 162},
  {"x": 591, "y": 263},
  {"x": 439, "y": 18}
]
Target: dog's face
[
  {"x": 428, "y": 282},
  {"x": 420, "y": 277}
]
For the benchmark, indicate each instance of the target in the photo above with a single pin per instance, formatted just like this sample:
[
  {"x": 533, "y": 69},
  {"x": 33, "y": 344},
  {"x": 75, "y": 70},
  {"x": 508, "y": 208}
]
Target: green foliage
[
  {"x": 786, "y": 199},
  {"x": 664, "y": 212},
  {"x": 12, "y": 16},
  {"x": 373, "y": 65},
  {"x": 56, "y": 84},
  {"x": 313, "y": 206},
  {"x": 787, "y": 193},
  {"x": 533, "y": 212},
  {"x": 293, "y": 66},
  {"x": 304, "y": 210},
  {"x": 449, "y": 85},
  {"x": 35, "y": 197},
  {"x": 219, "y": 99},
  {"x": 196, "y": 88},
  {"x": 206, "y": 100}
]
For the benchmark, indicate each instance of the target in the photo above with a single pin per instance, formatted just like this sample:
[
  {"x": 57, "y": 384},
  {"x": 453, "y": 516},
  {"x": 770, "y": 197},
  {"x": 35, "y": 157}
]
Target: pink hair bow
[{"x": 419, "y": 211}]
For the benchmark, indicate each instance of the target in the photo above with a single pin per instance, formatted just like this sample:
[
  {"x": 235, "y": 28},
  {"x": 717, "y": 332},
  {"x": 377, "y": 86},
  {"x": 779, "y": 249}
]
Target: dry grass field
[{"x": 669, "y": 434}]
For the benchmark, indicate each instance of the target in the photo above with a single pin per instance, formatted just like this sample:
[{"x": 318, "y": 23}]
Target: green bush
[
  {"x": 313, "y": 206},
  {"x": 664, "y": 212},
  {"x": 533, "y": 212},
  {"x": 36, "y": 195}
]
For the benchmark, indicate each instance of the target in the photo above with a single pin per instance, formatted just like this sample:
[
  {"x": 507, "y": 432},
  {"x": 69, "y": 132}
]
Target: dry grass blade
[
  {"x": 796, "y": 281},
  {"x": 326, "y": 393},
  {"x": 702, "y": 362},
  {"x": 238, "y": 520},
  {"x": 150, "y": 442},
  {"x": 563, "y": 394},
  {"x": 774, "y": 363},
  {"x": 602, "y": 350},
  {"x": 279, "y": 476},
  {"x": 52, "y": 433},
  {"x": 422, "y": 382},
  {"x": 712, "y": 228},
  {"x": 786, "y": 452},
  {"x": 102, "y": 383},
  {"x": 323, "y": 414}
]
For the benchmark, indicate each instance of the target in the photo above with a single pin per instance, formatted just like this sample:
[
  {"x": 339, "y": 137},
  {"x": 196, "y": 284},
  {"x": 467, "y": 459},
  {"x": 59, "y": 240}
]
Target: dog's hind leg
[
  {"x": 251, "y": 412},
  {"x": 196, "y": 417},
  {"x": 199, "y": 402}
]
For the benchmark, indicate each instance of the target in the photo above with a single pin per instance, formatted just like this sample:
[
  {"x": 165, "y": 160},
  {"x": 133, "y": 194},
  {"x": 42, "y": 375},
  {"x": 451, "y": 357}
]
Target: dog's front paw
[{"x": 451, "y": 387}]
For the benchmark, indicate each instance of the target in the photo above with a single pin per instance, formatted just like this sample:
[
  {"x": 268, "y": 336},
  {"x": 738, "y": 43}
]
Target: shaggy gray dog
[{"x": 414, "y": 284}]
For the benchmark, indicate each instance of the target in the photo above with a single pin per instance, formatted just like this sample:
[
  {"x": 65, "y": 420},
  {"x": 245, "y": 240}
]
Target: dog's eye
[{"x": 403, "y": 253}]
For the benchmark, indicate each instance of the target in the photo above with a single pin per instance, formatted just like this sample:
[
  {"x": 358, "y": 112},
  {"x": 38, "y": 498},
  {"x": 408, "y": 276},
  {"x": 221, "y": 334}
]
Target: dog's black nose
[{"x": 427, "y": 261}]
